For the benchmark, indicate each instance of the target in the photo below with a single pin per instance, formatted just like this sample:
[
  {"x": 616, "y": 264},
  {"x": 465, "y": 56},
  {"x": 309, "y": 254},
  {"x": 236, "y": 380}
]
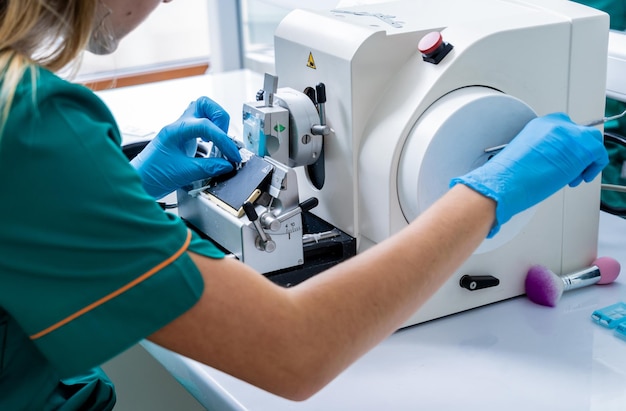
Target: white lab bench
[{"x": 512, "y": 355}]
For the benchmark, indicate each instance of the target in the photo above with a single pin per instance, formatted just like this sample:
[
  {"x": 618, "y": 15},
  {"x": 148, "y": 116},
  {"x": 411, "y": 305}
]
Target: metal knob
[{"x": 264, "y": 242}]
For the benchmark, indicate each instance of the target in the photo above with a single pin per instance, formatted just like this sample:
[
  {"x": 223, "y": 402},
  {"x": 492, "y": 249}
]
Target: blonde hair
[{"x": 46, "y": 33}]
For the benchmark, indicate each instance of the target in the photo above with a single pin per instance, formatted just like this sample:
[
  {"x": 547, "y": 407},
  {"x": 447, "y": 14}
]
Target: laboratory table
[{"x": 511, "y": 355}]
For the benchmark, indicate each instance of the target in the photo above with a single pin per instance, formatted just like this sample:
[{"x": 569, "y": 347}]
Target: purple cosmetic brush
[{"x": 546, "y": 288}]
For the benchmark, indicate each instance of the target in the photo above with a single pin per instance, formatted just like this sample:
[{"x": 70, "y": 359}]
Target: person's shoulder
[
  {"x": 50, "y": 85},
  {"x": 52, "y": 89},
  {"x": 42, "y": 95}
]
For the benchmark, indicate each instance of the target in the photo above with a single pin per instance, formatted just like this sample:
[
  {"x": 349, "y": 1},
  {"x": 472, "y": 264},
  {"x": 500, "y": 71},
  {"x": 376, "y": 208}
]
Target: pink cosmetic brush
[{"x": 546, "y": 288}]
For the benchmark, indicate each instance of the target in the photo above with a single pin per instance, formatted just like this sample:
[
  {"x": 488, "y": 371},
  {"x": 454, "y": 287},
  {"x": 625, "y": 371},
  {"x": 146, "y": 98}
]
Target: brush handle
[{"x": 579, "y": 279}]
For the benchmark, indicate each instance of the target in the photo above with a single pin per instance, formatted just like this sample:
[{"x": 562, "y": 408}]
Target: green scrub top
[{"x": 90, "y": 264}]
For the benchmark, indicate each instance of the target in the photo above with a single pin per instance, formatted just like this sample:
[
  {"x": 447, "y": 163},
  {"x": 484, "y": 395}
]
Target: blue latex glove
[
  {"x": 168, "y": 163},
  {"x": 548, "y": 154}
]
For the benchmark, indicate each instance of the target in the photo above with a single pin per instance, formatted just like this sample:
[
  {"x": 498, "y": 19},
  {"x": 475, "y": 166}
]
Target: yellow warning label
[{"x": 311, "y": 62}]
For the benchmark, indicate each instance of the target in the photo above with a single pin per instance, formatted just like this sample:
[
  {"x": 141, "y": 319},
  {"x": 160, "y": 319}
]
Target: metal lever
[
  {"x": 605, "y": 119},
  {"x": 321, "y": 129},
  {"x": 273, "y": 223},
  {"x": 592, "y": 123},
  {"x": 264, "y": 242}
]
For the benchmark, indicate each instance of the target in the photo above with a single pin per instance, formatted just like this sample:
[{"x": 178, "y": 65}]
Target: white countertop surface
[{"x": 512, "y": 355}]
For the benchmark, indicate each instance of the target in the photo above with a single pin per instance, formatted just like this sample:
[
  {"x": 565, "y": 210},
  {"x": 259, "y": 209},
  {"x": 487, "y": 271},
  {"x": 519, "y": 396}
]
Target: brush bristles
[{"x": 543, "y": 286}]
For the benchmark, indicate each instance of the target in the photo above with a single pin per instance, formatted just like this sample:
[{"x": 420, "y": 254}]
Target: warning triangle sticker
[{"x": 311, "y": 62}]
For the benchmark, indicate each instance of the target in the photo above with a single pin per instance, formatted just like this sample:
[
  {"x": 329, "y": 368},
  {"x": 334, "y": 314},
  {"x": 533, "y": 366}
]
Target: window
[
  {"x": 189, "y": 37},
  {"x": 259, "y": 21},
  {"x": 260, "y": 18},
  {"x": 175, "y": 36}
]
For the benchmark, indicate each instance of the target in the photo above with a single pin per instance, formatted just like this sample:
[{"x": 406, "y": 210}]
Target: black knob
[
  {"x": 309, "y": 204},
  {"x": 320, "y": 90},
  {"x": 248, "y": 208},
  {"x": 477, "y": 282}
]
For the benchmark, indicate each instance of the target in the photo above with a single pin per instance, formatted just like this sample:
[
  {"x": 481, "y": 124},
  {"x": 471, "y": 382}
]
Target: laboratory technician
[{"x": 90, "y": 264}]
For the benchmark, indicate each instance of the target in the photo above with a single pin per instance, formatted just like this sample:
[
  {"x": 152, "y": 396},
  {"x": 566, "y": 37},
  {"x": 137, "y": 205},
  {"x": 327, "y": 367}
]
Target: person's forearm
[
  {"x": 294, "y": 341},
  {"x": 358, "y": 303}
]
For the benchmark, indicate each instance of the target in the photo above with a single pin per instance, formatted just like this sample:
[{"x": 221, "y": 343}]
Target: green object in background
[
  {"x": 615, "y": 172},
  {"x": 616, "y": 9},
  {"x": 614, "y": 107}
]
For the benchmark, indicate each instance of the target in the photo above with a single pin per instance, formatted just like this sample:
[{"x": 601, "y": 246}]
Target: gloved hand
[
  {"x": 168, "y": 163},
  {"x": 548, "y": 154}
]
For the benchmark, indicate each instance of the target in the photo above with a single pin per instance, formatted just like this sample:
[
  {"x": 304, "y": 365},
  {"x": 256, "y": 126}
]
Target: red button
[{"x": 430, "y": 43}]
